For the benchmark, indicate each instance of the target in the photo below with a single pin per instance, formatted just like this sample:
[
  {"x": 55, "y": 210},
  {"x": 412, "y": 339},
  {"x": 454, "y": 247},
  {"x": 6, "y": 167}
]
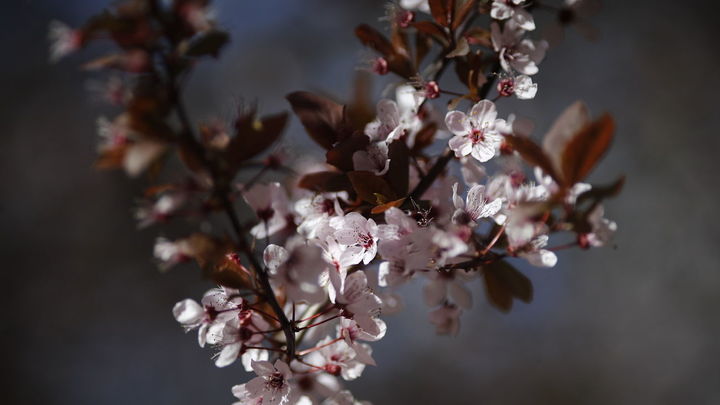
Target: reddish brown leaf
[
  {"x": 479, "y": 36},
  {"x": 533, "y": 154},
  {"x": 424, "y": 137},
  {"x": 442, "y": 11},
  {"x": 497, "y": 294},
  {"x": 322, "y": 118},
  {"x": 342, "y": 153},
  {"x": 398, "y": 58},
  {"x": 208, "y": 43},
  {"x": 433, "y": 30},
  {"x": 211, "y": 255},
  {"x": 252, "y": 137},
  {"x": 189, "y": 158},
  {"x": 369, "y": 36},
  {"x": 325, "y": 182},
  {"x": 586, "y": 148},
  {"x": 503, "y": 283},
  {"x": 371, "y": 188},
  {"x": 399, "y": 41},
  {"x": 462, "y": 13}
]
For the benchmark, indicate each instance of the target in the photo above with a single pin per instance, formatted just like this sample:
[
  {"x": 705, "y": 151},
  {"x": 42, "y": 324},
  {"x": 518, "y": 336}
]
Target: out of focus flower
[
  {"x": 169, "y": 253},
  {"x": 513, "y": 9},
  {"x": 338, "y": 358},
  {"x": 271, "y": 206},
  {"x": 446, "y": 319},
  {"x": 63, "y": 40},
  {"x": 297, "y": 269},
  {"x": 270, "y": 387},
  {"x": 522, "y": 55}
]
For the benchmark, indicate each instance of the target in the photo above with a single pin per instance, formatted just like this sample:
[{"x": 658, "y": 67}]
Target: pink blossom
[
  {"x": 235, "y": 334},
  {"x": 475, "y": 133},
  {"x": 351, "y": 333},
  {"x": 517, "y": 53},
  {"x": 513, "y": 9},
  {"x": 271, "y": 206},
  {"x": 448, "y": 284},
  {"x": 297, "y": 269},
  {"x": 356, "y": 230},
  {"x": 169, "y": 253},
  {"x": 446, "y": 319},
  {"x": 356, "y": 300},
  {"x": 270, "y": 387},
  {"x": 478, "y": 205},
  {"x": 217, "y": 305},
  {"x": 63, "y": 40},
  {"x": 338, "y": 358},
  {"x": 602, "y": 228}
]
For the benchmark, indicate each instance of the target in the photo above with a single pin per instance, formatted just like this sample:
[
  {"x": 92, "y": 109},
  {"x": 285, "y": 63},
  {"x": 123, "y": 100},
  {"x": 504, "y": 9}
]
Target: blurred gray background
[{"x": 86, "y": 315}]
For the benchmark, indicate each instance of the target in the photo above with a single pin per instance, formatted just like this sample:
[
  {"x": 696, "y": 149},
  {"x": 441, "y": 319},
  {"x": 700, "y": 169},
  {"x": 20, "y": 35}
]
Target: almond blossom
[
  {"x": 270, "y": 387},
  {"x": 396, "y": 119},
  {"x": 64, "y": 40},
  {"x": 446, "y": 319},
  {"x": 235, "y": 335},
  {"x": 478, "y": 205},
  {"x": 297, "y": 269},
  {"x": 448, "y": 284},
  {"x": 217, "y": 305},
  {"x": 374, "y": 158},
  {"x": 356, "y": 230},
  {"x": 521, "y": 86},
  {"x": 312, "y": 210},
  {"x": 602, "y": 229},
  {"x": 337, "y": 358},
  {"x": 169, "y": 253},
  {"x": 357, "y": 301},
  {"x": 351, "y": 333},
  {"x": 271, "y": 206},
  {"x": 534, "y": 253},
  {"x": 516, "y": 53},
  {"x": 504, "y": 9},
  {"x": 475, "y": 133}
]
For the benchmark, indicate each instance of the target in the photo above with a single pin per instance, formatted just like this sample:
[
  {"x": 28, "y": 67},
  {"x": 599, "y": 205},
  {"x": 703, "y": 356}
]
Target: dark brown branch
[{"x": 221, "y": 188}]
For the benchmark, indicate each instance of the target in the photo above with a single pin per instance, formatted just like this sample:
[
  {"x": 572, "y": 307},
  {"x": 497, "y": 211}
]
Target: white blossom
[
  {"x": 516, "y": 53},
  {"x": 270, "y": 387},
  {"x": 475, "y": 133},
  {"x": 271, "y": 206},
  {"x": 446, "y": 319},
  {"x": 513, "y": 9}
]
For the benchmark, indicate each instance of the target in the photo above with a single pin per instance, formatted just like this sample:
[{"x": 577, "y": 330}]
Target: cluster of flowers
[{"x": 343, "y": 235}]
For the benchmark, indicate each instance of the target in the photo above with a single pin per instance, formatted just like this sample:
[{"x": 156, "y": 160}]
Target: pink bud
[
  {"x": 380, "y": 66},
  {"x": 432, "y": 90},
  {"x": 506, "y": 87},
  {"x": 404, "y": 18}
]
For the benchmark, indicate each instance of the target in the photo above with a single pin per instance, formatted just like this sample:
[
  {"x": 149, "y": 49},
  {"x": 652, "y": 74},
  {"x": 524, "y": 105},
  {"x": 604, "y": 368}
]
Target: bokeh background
[{"x": 86, "y": 315}]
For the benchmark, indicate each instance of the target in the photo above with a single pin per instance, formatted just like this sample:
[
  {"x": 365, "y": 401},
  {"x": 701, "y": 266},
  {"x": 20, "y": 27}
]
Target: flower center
[
  {"x": 327, "y": 206},
  {"x": 276, "y": 381},
  {"x": 477, "y": 136},
  {"x": 366, "y": 241}
]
